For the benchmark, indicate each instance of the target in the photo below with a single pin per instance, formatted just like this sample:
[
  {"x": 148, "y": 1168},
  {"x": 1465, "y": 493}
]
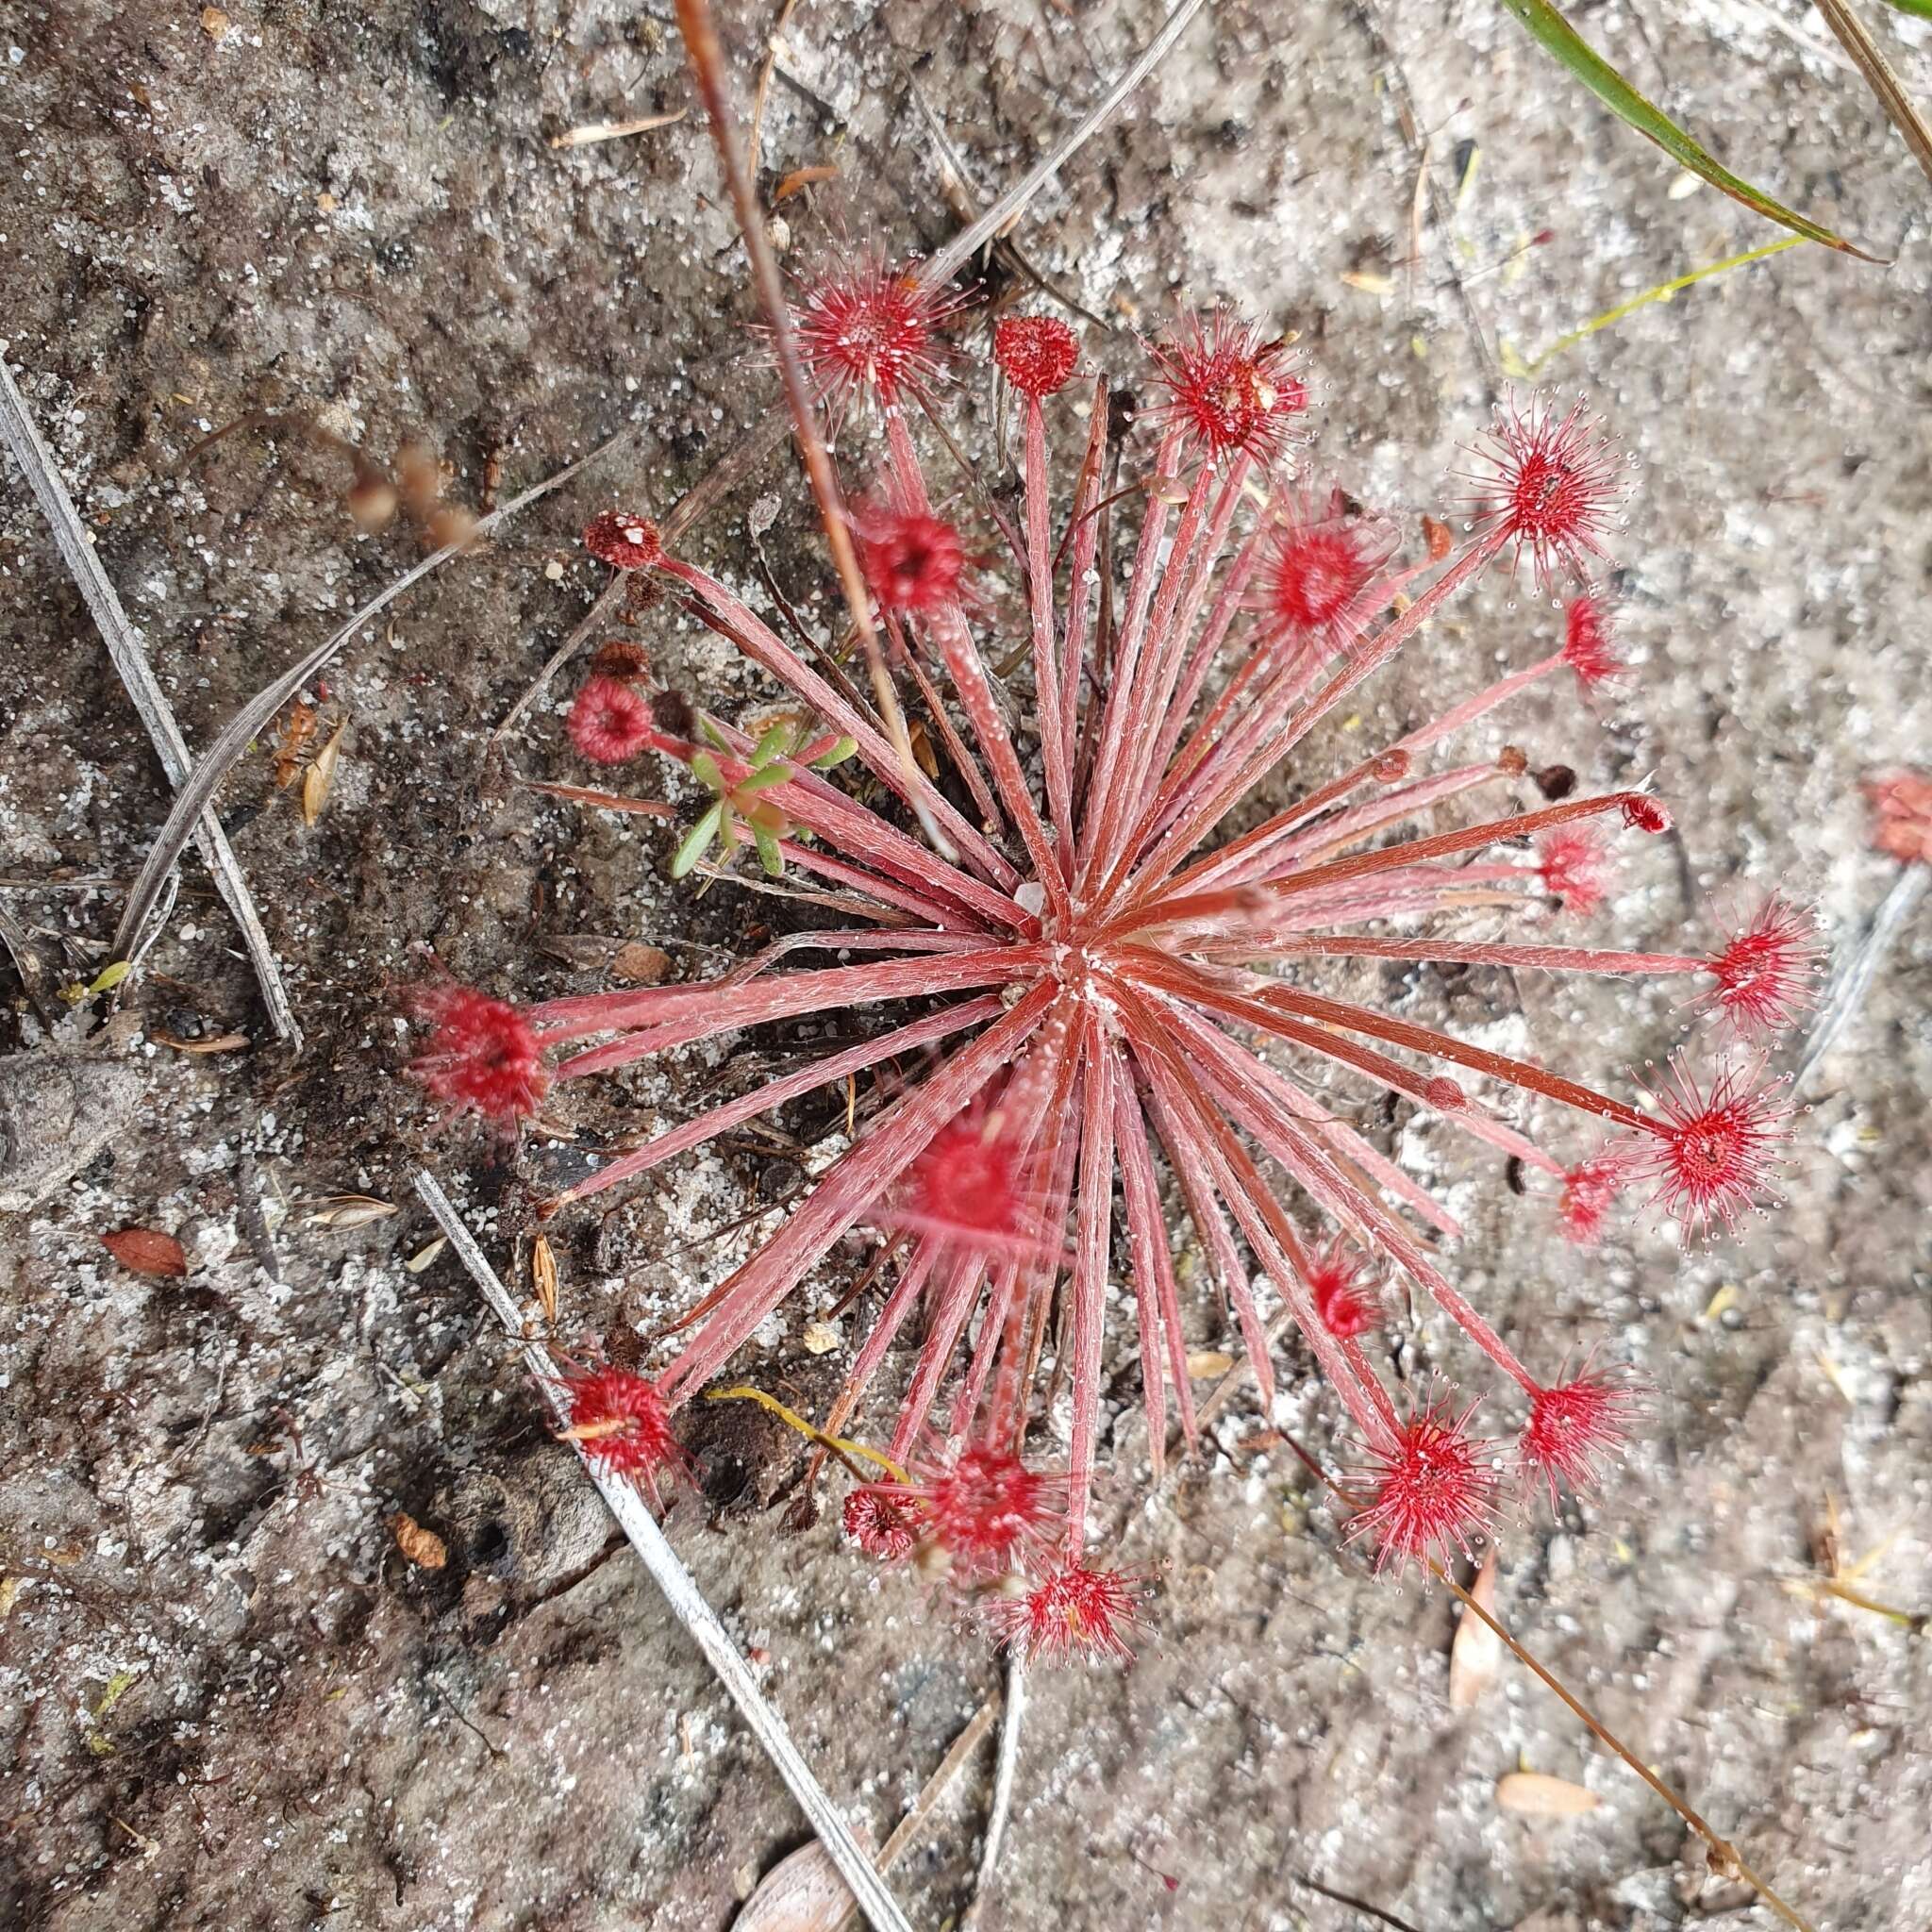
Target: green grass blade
[
  {"x": 1556, "y": 34},
  {"x": 1922, "y": 9}
]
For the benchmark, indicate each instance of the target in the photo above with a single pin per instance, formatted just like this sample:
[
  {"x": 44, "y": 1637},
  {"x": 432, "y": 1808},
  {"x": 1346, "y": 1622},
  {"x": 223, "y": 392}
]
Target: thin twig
[
  {"x": 759, "y": 442},
  {"x": 1355, "y": 1903},
  {"x": 1853, "y": 980},
  {"x": 681, "y": 1592},
  {"x": 940, "y": 266},
  {"x": 753, "y": 145},
  {"x": 730, "y": 470},
  {"x": 707, "y": 57},
  {"x": 950, "y": 1766},
  {"x": 594, "y": 618},
  {"x": 1725, "y": 1858},
  {"x": 201, "y": 784},
  {"x": 131, "y": 660},
  {"x": 1003, "y": 1780}
]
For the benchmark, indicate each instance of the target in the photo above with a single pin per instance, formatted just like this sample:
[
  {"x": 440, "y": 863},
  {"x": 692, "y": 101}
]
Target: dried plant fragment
[
  {"x": 423, "y": 1547},
  {"x": 147, "y": 1251}
]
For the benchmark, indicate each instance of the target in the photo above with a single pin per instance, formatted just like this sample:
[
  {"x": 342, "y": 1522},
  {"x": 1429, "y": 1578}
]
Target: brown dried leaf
[
  {"x": 320, "y": 775},
  {"x": 215, "y": 1043},
  {"x": 147, "y": 1251},
  {"x": 637, "y": 964},
  {"x": 921, "y": 748},
  {"x": 350, "y": 1210},
  {"x": 1476, "y": 1651},
  {"x": 802, "y": 1894},
  {"x": 1534, "y": 1794},
  {"x": 423, "y": 1547},
  {"x": 1440, "y": 538},
  {"x": 543, "y": 1276}
]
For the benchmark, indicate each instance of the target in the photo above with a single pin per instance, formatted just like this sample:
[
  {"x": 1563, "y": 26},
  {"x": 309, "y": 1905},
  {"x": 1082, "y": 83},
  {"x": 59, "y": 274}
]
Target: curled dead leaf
[
  {"x": 543, "y": 1276},
  {"x": 921, "y": 748},
  {"x": 1477, "y": 1651},
  {"x": 350, "y": 1210},
  {"x": 321, "y": 775},
  {"x": 424, "y": 1256},
  {"x": 423, "y": 1547},
  {"x": 1534, "y": 1795},
  {"x": 801, "y": 1893},
  {"x": 214, "y": 1043},
  {"x": 147, "y": 1251}
]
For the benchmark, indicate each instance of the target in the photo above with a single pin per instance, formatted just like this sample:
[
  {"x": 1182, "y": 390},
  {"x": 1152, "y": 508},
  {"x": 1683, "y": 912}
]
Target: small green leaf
[
  {"x": 1560, "y": 39},
  {"x": 1922, "y": 8},
  {"x": 846, "y": 746},
  {"x": 697, "y": 841},
  {"x": 769, "y": 855},
  {"x": 774, "y": 743},
  {"x": 764, "y": 778},
  {"x": 712, "y": 735},
  {"x": 704, "y": 767}
]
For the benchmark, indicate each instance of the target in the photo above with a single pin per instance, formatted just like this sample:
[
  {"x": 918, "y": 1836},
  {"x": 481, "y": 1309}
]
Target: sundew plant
[{"x": 1085, "y": 936}]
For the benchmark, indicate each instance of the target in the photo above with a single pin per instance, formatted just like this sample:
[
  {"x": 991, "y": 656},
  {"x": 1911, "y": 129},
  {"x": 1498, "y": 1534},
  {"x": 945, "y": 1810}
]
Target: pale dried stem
[{"x": 680, "y": 1591}]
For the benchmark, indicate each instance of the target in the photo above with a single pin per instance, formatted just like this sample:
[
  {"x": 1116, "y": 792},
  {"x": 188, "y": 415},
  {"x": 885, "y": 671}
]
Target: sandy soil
[{"x": 226, "y": 1698}]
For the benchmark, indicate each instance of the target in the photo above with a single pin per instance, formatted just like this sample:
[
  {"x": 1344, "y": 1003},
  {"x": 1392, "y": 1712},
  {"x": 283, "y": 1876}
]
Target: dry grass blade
[
  {"x": 964, "y": 246},
  {"x": 131, "y": 660},
  {"x": 199, "y": 789},
  {"x": 1881, "y": 80},
  {"x": 1852, "y": 979},
  {"x": 681, "y": 1592}
]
